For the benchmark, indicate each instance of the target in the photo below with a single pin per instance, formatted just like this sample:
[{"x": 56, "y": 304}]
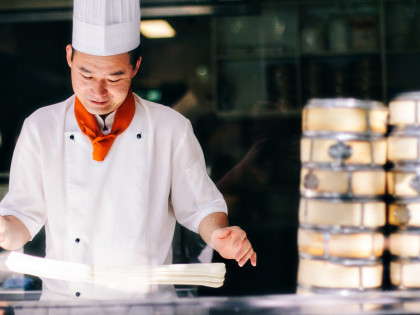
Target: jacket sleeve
[
  {"x": 193, "y": 193},
  {"x": 25, "y": 197}
]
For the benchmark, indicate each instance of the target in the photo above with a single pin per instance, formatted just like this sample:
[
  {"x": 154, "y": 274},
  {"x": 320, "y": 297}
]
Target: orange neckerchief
[{"x": 89, "y": 126}]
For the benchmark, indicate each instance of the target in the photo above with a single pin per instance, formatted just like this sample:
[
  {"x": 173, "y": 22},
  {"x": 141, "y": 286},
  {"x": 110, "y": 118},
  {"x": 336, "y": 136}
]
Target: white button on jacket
[{"x": 122, "y": 210}]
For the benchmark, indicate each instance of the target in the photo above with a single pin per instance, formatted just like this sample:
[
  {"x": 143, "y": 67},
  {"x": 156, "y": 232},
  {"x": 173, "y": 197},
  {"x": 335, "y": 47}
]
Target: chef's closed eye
[{"x": 86, "y": 76}]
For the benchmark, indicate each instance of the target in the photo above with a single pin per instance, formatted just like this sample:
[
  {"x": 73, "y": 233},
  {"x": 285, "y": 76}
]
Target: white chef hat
[{"x": 106, "y": 27}]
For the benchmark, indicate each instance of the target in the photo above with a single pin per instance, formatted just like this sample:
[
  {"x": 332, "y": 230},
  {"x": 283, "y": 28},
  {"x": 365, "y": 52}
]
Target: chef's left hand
[{"x": 232, "y": 243}]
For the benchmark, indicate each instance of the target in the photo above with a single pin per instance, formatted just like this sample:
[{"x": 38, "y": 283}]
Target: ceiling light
[{"x": 157, "y": 29}]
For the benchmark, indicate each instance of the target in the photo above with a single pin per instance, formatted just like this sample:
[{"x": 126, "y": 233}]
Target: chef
[{"x": 109, "y": 173}]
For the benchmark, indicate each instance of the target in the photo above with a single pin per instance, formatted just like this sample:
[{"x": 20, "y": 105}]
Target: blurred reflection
[
  {"x": 95, "y": 309},
  {"x": 214, "y": 136},
  {"x": 243, "y": 158},
  {"x": 355, "y": 303}
]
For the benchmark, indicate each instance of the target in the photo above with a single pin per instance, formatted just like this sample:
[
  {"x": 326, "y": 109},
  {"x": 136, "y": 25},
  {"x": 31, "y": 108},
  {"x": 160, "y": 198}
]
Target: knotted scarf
[{"x": 89, "y": 125}]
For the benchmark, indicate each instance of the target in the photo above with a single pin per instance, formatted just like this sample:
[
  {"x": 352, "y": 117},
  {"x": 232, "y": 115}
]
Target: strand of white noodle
[{"x": 128, "y": 277}]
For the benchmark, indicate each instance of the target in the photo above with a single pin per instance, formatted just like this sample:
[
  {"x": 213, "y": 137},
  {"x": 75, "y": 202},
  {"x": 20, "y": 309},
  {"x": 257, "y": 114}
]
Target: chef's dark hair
[{"x": 134, "y": 54}]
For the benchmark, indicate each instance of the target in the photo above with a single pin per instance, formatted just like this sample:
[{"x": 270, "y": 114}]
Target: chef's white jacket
[{"x": 120, "y": 211}]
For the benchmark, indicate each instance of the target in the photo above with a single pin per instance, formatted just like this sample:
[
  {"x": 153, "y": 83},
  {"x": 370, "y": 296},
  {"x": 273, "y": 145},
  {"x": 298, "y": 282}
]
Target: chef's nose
[{"x": 98, "y": 88}]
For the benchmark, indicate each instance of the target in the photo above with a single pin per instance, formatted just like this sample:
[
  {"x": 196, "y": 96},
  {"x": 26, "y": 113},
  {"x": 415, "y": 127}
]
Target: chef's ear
[
  {"x": 69, "y": 54},
  {"x": 138, "y": 64}
]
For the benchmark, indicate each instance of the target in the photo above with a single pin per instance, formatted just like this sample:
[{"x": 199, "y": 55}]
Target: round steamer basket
[
  {"x": 343, "y": 149},
  {"x": 404, "y": 145},
  {"x": 345, "y": 115},
  {"x": 403, "y": 181},
  {"x": 405, "y": 243},
  {"x": 326, "y": 180},
  {"x": 404, "y": 110},
  {"x": 328, "y": 212},
  {"x": 340, "y": 243},
  {"x": 319, "y": 273},
  {"x": 405, "y": 213},
  {"x": 405, "y": 273}
]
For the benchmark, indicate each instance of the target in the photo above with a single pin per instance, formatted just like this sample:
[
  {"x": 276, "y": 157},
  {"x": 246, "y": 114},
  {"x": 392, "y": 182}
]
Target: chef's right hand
[{"x": 232, "y": 243}]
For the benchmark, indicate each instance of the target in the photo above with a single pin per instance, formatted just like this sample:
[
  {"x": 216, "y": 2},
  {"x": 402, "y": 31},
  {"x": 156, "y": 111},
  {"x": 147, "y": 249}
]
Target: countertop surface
[{"x": 389, "y": 302}]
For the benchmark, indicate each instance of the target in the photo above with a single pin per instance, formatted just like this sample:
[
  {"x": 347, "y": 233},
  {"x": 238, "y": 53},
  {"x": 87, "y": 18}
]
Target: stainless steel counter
[{"x": 366, "y": 303}]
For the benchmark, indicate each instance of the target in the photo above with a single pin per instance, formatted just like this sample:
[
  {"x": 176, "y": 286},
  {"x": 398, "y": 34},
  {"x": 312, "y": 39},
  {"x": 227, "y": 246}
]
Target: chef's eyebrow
[
  {"x": 84, "y": 70},
  {"x": 120, "y": 72}
]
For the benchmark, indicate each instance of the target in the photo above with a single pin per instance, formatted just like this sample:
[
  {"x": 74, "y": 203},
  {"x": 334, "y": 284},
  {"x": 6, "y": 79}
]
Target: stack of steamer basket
[
  {"x": 404, "y": 186},
  {"x": 342, "y": 208}
]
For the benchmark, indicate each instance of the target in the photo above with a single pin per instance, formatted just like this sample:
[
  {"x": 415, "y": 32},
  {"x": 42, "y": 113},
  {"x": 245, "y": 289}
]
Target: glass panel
[
  {"x": 242, "y": 80},
  {"x": 403, "y": 46}
]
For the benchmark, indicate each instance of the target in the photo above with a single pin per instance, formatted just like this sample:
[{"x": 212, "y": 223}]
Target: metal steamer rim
[
  {"x": 411, "y": 230},
  {"x": 345, "y": 261},
  {"x": 343, "y": 167},
  {"x": 403, "y": 201},
  {"x": 340, "y": 229},
  {"x": 395, "y": 197},
  {"x": 344, "y": 103},
  {"x": 343, "y": 136},
  {"x": 346, "y": 198},
  {"x": 401, "y": 288},
  {"x": 308, "y": 194},
  {"x": 407, "y": 96},
  {"x": 407, "y": 167},
  {"x": 338, "y": 290},
  {"x": 405, "y": 260},
  {"x": 412, "y": 130}
]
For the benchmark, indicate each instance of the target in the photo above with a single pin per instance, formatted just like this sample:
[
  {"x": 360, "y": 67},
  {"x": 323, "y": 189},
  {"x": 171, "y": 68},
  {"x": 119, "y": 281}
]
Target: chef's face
[{"x": 101, "y": 82}]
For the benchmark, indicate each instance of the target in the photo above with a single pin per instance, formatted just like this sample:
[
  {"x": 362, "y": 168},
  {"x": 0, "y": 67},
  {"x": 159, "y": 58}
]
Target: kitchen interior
[{"x": 242, "y": 72}]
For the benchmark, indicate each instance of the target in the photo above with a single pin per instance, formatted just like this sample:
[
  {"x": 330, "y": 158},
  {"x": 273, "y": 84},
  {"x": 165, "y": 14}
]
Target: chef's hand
[
  {"x": 3, "y": 223},
  {"x": 232, "y": 243},
  {"x": 13, "y": 233}
]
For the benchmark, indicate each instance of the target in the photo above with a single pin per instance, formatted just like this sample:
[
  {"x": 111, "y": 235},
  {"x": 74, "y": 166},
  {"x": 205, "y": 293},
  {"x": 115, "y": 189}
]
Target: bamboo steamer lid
[
  {"x": 404, "y": 213},
  {"x": 404, "y": 110},
  {"x": 337, "y": 212},
  {"x": 340, "y": 243},
  {"x": 343, "y": 149},
  {"x": 404, "y": 146},
  {"x": 404, "y": 181},
  {"x": 405, "y": 244},
  {"x": 327, "y": 274},
  {"x": 405, "y": 273},
  {"x": 345, "y": 115},
  {"x": 326, "y": 181}
]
